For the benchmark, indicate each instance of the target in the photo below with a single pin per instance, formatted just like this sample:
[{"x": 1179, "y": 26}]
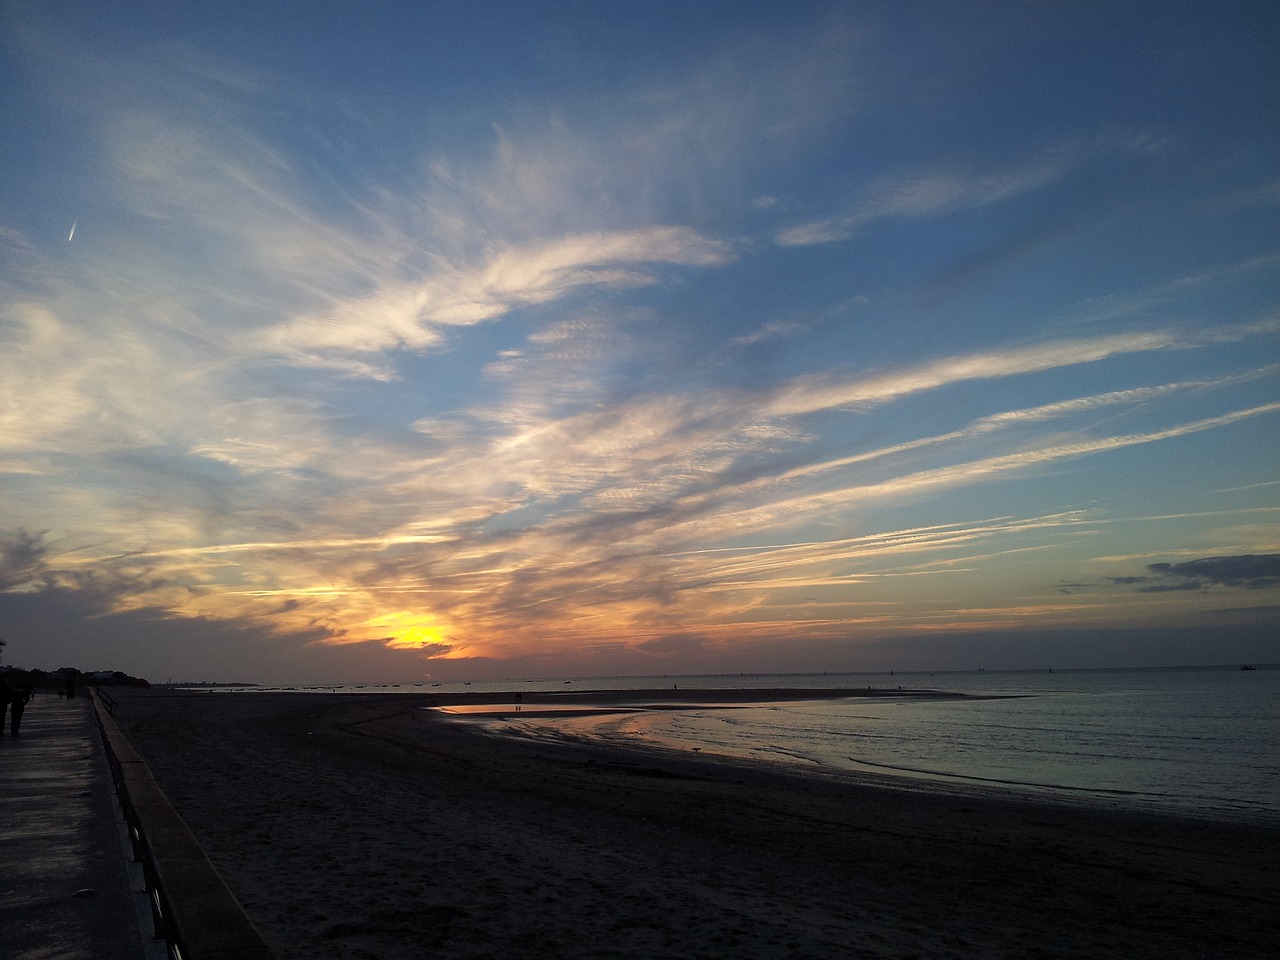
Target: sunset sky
[{"x": 381, "y": 341}]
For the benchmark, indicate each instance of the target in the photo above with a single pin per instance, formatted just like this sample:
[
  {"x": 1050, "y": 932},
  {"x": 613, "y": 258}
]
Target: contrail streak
[{"x": 73, "y": 231}]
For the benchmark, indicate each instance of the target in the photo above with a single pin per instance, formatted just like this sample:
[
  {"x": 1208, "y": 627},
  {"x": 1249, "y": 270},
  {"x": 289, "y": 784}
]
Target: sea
[{"x": 1199, "y": 741}]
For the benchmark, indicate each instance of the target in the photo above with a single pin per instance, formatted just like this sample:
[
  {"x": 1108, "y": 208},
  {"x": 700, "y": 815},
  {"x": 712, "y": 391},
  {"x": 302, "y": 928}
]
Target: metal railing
[
  {"x": 191, "y": 907},
  {"x": 107, "y": 699}
]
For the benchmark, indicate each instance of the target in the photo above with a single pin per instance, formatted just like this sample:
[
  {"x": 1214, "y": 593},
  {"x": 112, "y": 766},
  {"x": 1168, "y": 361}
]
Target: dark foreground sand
[{"x": 366, "y": 827}]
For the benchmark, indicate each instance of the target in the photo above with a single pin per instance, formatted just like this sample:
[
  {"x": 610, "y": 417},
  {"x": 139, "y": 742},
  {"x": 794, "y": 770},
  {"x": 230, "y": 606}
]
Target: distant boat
[{"x": 1248, "y": 666}]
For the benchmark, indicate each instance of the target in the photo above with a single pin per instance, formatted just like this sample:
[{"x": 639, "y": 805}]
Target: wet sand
[{"x": 363, "y": 826}]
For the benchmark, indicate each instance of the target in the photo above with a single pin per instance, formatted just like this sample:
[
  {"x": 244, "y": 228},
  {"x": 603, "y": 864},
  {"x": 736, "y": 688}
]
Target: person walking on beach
[{"x": 22, "y": 694}]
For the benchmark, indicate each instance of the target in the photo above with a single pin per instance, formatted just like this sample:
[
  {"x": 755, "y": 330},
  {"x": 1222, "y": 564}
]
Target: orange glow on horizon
[{"x": 409, "y": 631}]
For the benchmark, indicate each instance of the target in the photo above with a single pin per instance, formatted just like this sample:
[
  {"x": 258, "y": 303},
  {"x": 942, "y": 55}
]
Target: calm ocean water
[
  {"x": 1198, "y": 741},
  {"x": 1204, "y": 741}
]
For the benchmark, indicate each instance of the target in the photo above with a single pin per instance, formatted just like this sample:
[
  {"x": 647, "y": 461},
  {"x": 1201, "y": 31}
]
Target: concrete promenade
[{"x": 67, "y": 888}]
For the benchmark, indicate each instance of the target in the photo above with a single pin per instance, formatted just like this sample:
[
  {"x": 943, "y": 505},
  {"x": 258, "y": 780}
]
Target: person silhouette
[
  {"x": 5, "y": 695},
  {"x": 21, "y": 695}
]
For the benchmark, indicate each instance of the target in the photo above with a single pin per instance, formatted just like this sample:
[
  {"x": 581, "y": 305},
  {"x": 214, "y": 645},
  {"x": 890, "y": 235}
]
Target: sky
[{"x": 392, "y": 341}]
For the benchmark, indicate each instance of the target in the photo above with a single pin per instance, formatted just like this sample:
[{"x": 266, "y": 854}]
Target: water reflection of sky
[{"x": 1206, "y": 741}]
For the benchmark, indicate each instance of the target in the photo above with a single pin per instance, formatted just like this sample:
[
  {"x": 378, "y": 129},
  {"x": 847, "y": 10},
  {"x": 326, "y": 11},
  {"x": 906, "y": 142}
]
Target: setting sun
[{"x": 408, "y": 631}]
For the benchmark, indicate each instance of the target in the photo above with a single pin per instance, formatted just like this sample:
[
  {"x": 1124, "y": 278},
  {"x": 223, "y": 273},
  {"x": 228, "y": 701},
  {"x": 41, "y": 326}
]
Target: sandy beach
[{"x": 364, "y": 826}]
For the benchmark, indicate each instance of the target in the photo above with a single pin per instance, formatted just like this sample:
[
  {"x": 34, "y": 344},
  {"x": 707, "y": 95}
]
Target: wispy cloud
[
  {"x": 968, "y": 472},
  {"x": 1038, "y": 414},
  {"x": 828, "y": 391},
  {"x": 929, "y": 194},
  {"x": 412, "y": 316},
  {"x": 942, "y": 190},
  {"x": 1024, "y": 459}
]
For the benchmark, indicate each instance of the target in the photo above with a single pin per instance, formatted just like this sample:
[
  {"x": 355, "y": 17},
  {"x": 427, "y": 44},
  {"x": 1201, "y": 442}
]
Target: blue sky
[{"x": 363, "y": 342}]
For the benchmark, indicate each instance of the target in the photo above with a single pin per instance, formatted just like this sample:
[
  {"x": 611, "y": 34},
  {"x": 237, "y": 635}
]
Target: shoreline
[
  {"x": 674, "y": 694},
  {"x": 504, "y": 716},
  {"x": 349, "y": 823},
  {"x": 556, "y": 703}
]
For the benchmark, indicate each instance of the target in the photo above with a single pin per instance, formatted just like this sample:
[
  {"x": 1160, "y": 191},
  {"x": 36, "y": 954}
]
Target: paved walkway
[{"x": 67, "y": 889}]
